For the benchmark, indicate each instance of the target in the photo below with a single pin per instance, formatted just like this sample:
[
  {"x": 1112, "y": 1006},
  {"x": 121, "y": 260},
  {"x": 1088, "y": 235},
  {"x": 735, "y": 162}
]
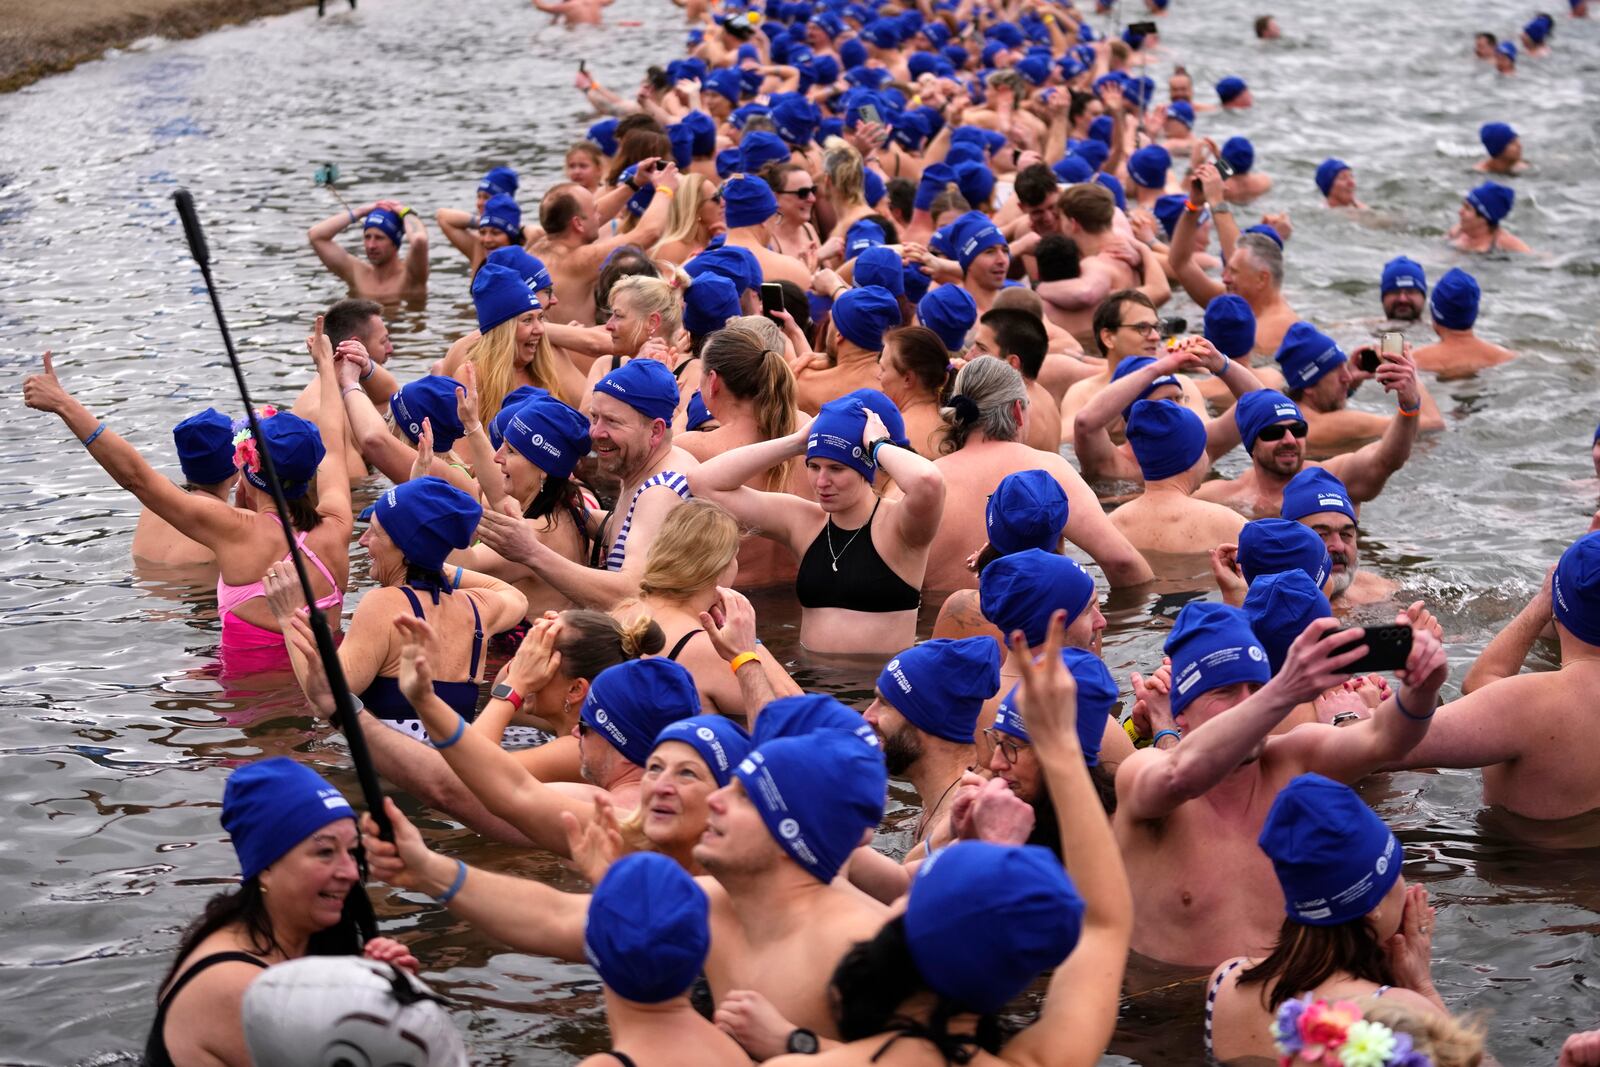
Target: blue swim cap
[
  {"x": 1268, "y": 232},
  {"x": 1230, "y": 325},
  {"x": 1239, "y": 154},
  {"x": 1073, "y": 169},
  {"x": 1495, "y": 137},
  {"x": 1148, "y": 167},
  {"x": 648, "y": 929},
  {"x": 1169, "y": 209},
  {"x": 1100, "y": 129},
  {"x": 1575, "y": 589},
  {"x": 1327, "y": 171},
  {"x": 1507, "y": 49},
  {"x": 748, "y": 201},
  {"x": 1454, "y": 303},
  {"x": 1334, "y": 858},
  {"x": 725, "y": 82},
  {"x": 795, "y": 119},
  {"x": 976, "y": 181},
  {"x": 862, "y": 235},
  {"x": 951, "y": 312},
  {"x": 500, "y": 181},
  {"x": 549, "y": 434},
  {"x": 1183, "y": 111},
  {"x": 1110, "y": 181},
  {"x": 426, "y": 518},
  {"x": 1402, "y": 273},
  {"x": 681, "y": 138},
  {"x": 940, "y": 685},
  {"x": 721, "y": 742},
  {"x": 1260, "y": 408},
  {"x": 296, "y": 449},
  {"x": 1166, "y": 437},
  {"x": 1091, "y": 152},
  {"x": 1313, "y": 491},
  {"x": 973, "y": 234},
  {"x": 1272, "y": 546},
  {"x": 1027, "y": 509},
  {"x": 1492, "y": 201},
  {"x": 708, "y": 303},
  {"x": 604, "y": 135},
  {"x": 1230, "y": 89},
  {"x": 205, "y": 447},
  {"x": 737, "y": 264},
  {"x": 1026, "y": 906},
  {"x": 508, "y": 407},
  {"x": 1020, "y": 591},
  {"x": 880, "y": 265},
  {"x": 271, "y": 805},
  {"x": 864, "y": 314},
  {"x": 432, "y": 397},
  {"x": 385, "y": 222},
  {"x": 502, "y": 213},
  {"x": 875, "y": 401},
  {"x": 1307, "y": 355},
  {"x": 530, "y": 267},
  {"x": 817, "y": 795},
  {"x": 1280, "y": 607},
  {"x": 1097, "y": 698},
  {"x": 1538, "y": 28},
  {"x": 1212, "y": 646},
  {"x": 631, "y": 702},
  {"x": 499, "y": 295},
  {"x": 645, "y": 385},
  {"x": 836, "y": 435}
]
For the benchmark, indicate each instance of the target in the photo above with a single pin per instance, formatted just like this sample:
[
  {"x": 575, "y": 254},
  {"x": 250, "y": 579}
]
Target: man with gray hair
[
  {"x": 1255, "y": 272},
  {"x": 989, "y": 406}
]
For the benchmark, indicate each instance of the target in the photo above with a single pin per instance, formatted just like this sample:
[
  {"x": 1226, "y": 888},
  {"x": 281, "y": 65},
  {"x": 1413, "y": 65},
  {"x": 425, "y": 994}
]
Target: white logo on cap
[
  {"x": 1256, "y": 654},
  {"x": 1383, "y": 864},
  {"x": 893, "y": 664},
  {"x": 789, "y": 829},
  {"x": 705, "y": 733},
  {"x": 600, "y": 716},
  {"x": 538, "y": 439}
]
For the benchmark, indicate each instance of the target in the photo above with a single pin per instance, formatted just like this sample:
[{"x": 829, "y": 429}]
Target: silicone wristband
[
  {"x": 1407, "y": 714},
  {"x": 455, "y": 887},
  {"x": 741, "y": 659},
  {"x": 372, "y": 368},
  {"x": 98, "y": 430},
  {"x": 461, "y": 728},
  {"x": 1164, "y": 733},
  {"x": 456, "y": 583}
]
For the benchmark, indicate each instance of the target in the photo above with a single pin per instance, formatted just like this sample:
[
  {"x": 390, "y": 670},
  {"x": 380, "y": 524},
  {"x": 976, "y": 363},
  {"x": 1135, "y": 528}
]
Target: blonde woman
[
  {"x": 692, "y": 559},
  {"x": 646, "y": 320},
  {"x": 748, "y": 388},
  {"x": 693, "y": 220},
  {"x": 843, "y": 187},
  {"x": 512, "y": 350}
]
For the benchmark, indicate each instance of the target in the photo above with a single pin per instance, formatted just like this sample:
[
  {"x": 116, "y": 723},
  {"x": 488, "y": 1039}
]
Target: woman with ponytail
[
  {"x": 748, "y": 388},
  {"x": 914, "y": 371}
]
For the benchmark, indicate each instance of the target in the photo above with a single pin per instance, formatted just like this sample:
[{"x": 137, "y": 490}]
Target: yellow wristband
[
  {"x": 741, "y": 659},
  {"x": 664, "y": 189}
]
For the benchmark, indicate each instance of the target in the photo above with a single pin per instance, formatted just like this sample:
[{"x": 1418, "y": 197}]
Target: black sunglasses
[
  {"x": 808, "y": 191},
  {"x": 1276, "y": 431}
]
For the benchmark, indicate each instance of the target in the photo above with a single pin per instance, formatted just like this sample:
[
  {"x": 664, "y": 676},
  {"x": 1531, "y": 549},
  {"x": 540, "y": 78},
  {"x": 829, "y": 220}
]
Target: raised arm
[
  {"x": 776, "y": 515},
  {"x": 456, "y": 225},
  {"x": 324, "y": 243},
  {"x": 1152, "y": 783},
  {"x": 201, "y": 517},
  {"x": 1091, "y": 437},
  {"x": 1365, "y": 471},
  {"x": 915, "y": 517},
  {"x": 1082, "y": 293},
  {"x": 416, "y": 247},
  {"x": 1091, "y": 529},
  {"x": 1504, "y": 655},
  {"x": 1080, "y": 1011},
  {"x": 1205, "y": 187},
  {"x": 333, "y": 475}
]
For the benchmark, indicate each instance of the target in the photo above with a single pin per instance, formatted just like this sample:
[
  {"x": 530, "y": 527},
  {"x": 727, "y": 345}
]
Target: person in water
[
  {"x": 205, "y": 454},
  {"x": 386, "y": 276}
]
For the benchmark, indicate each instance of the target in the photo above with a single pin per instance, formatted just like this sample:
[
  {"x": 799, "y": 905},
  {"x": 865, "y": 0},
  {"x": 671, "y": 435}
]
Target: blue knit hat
[
  {"x": 1027, "y": 509},
  {"x": 426, "y": 518},
  {"x": 747, "y": 201},
  {"x": 502, "y": 213},
  {"x": 951, "y": 312},
  {"x": 1272, "y": 546},
  {"x": 1334, "y": 858},
  {"x": 1307, "y": 355},
  {"x": 862, "y": 235},
  {"x": 1260, "y": 408},
  {"x": 645, "y": 385},
  {"x": 1212, "y": 646},
  {"x": 708, "y": 303},
  {"x": 205, "y": 447},
  {"x": 1183, "y": 111},
  {"x": 549, "y": 434},
  {"x": 499, "y": 294},
  {"x": 817, "y": 795},
  {"x": 604, "y": 135},
  {"x": 757, "y": 149},
  {"x": 1097, "y": 699},
  {"x": 1454, "y": 303},
  {"x": 1149, "y": 165},
  {"x": 296, "y": 448},
  {"x": 385, "y": 222},
  {"x": 1575, "y": 589},
  {"x": 528, "y": 266},
  {"x": 648, "y": 928},
  {"x": 1230, "y": 89},
  {"x": 864, "y": 314},
  {"x": 1492, "y": 201},
  {"x": 1313, "y": 491},
  {"x": 1022, "y": 590},
  {"x": 877, "y": 401},
  {"x": 1327, "y": 171},
  {"x": 499, "y": 181},
  {"x": 508, "y": 407},
  {"x": 1128, "y": 364},
  {"x": 1496, "y": 136},
  {"x": 1022, "y": 900},
  {"x": 971, "y": 235},
  {"x": 1280, "y": 608},
  {"x": 1402, "y": 273},
  {"x": 1230, "y": 325},
  {"x": 1166, "y": 437},
  {"x": 836, "y": 435},
  {"x": 432, "y": 397},
  {"x": 271, "y": 805},
  {"x": 631, "y": 702},
  {"x": 880, "y": 265},
  {"x": 720, "y": 741},
  {"x": 734, "y": 262},
  {"x": 940, "y": 685},
  {"x": 1239, "y": 154}
]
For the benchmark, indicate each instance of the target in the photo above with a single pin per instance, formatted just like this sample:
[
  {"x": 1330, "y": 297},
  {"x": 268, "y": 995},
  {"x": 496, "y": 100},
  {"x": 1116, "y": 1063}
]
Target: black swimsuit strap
[
  {"x": 622, "y": 1058},
  {"x": 205, "y": 964},
  {"x": 955, "y": 1048},
  {"x": 683, "y": 641}
]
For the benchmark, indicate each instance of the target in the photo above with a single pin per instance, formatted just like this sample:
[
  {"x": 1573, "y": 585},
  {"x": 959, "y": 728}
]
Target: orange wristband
[{"x": 741, "y": 659}]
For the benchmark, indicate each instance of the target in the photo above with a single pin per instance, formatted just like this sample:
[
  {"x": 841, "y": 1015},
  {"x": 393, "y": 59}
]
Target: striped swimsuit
[
  {"x": 619, "y": 548},
  {"x": 1211, "y": 1003}
]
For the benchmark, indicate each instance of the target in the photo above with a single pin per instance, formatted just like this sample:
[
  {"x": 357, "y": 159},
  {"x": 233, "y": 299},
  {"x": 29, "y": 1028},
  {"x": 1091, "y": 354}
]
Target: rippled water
[{"x": 117, "y": 733}]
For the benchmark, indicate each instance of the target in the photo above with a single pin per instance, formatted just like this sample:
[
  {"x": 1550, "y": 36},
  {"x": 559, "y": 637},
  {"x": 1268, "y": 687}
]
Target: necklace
[
  {"x": 929, "y": 813},
  {"x": 836, "y": 555}
]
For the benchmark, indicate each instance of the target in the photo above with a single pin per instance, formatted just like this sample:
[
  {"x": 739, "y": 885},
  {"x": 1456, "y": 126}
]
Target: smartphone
[
  {"x": 869, "y": 113},
  {"x": 1367, "y": 359},
  {"x": 1391, "y": 344},
  {"x": 1172, "y": 327},
  {"x": 1387, "y": 649},
  {"x": 582, "y": 64},
  {"x": 771, "y": 299},
  {"x": 1224, "y": 168},
  {"x": 1143, "y": 29}
]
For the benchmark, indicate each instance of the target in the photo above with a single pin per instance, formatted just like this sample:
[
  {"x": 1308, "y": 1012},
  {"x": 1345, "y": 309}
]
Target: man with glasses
[
  {"x": 1273, "y": 430},
  {"x": 1124, "y": 324},
  {"x": 1108, "y": 263}
]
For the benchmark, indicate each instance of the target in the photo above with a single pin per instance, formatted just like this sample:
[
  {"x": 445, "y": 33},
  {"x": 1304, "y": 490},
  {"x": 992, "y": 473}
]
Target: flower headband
[
  {"x": 1312, "y": 1031},
  {"x": 245, "y": 456}
]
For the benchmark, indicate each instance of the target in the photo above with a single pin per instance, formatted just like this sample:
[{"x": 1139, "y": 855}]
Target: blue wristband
[
  {"x": 1407, "y": 714},
  {"x": 461, "y": 728},
  {"x": 455, "y": 887},
  {"x": 98, "y": 430},
  {"x": 456, "y": 584},
  {"x": 1164, "y": 733}
]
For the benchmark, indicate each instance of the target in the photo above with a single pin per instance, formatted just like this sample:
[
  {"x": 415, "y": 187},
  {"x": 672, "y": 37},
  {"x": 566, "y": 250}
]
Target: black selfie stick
[{"x": 345, "y": 713}]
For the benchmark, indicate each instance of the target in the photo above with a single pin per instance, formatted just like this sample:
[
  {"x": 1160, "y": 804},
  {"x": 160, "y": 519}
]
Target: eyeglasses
[
  {"x": 1276, "y": 431},
  {"x": 716, "y": 197},
  {"x": 1144, "y": 329},
  {"x": 804, "y": 194},
  {"x": 1009, "y": 746}
]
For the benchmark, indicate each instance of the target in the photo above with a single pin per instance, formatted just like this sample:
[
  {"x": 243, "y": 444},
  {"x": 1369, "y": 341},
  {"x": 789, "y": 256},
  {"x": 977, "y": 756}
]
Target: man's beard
[{"x": 901, "y": 750}]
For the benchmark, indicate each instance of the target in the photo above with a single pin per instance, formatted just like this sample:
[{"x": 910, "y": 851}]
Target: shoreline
[{"x": 37, "y": 41}]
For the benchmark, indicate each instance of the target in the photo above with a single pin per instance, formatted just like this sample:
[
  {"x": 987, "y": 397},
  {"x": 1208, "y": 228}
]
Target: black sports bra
[{"x": 851, "y": 574}]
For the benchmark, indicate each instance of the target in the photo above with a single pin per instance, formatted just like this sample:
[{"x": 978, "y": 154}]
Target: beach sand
[{"x": 38, "y": 39}]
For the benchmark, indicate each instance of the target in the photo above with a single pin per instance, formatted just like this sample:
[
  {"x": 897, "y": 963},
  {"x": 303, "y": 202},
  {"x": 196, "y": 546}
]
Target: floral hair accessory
[
  {"x": 245, "y": 456},
  {"x": 1312, "y": 1031}
]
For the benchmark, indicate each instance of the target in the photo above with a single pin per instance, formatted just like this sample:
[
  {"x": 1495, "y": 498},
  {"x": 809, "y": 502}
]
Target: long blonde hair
[
  {"x": 683, "y": 217},
  {"x": 652, "y": 296},
  {"x": 495, "y": 356},
  {"x": 696, "y": 542},
  {"x": 846, "y": 173},
  {"x": 1446, "y": 1040},
  {"x": 752, "y": 367}
]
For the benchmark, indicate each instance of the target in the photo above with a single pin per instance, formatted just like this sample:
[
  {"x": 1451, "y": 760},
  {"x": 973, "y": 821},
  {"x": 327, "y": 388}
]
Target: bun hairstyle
[
  {"x": 845, "y": 170},
  {"x": 984, "y": 393},
  {"x": 919, "y": 352},
  {"x": 591, "y": 641}
]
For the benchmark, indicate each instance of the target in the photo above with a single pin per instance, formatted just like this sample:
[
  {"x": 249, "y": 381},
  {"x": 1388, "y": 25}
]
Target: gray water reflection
[{"x": 118, "y": 732}]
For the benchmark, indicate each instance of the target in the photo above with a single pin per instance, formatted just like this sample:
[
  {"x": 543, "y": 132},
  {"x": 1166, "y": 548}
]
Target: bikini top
[
  {"x": 384, "y": 699},
  {"x": 229, "y": 597},
  {"x": 851, "y": 574}
]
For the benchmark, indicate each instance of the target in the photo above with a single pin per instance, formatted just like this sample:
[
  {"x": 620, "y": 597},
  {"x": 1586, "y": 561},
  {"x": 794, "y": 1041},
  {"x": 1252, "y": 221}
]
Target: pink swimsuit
[{"x": 248, "y": 648}]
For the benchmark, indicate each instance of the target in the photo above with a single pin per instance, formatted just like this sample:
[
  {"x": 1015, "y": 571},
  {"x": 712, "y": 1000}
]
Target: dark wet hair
[
  {"x": 346, "y": 318},
  {"x": 1019, "y": 334},
  {"x": 1058, "y": 257},
  {"x": 1262, "y": 22},
  {"x": 1035, "y": 185},
  {"x": 637, "y": 146},
  {"x": 246, "y": 906},
  {"x": 559, "y": 207},
  {"x": 902, "y": 195},
  {"x": 921, "y": 353},
  {"x": 1080, "y": 103},
  {"x": 1108, "y": 316},
  {"x": 1306, "y": 956}
]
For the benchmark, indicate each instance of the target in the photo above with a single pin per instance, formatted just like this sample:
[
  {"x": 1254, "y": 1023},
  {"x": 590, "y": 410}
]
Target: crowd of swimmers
[{"x": 828, "y": 303}]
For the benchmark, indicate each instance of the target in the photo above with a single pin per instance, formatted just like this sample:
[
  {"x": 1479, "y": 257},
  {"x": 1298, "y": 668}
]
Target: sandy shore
[{"x": 38, "y": 39}]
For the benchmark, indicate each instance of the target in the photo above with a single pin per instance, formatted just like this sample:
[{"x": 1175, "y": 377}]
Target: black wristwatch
[{"x": 802, "y": 1041}]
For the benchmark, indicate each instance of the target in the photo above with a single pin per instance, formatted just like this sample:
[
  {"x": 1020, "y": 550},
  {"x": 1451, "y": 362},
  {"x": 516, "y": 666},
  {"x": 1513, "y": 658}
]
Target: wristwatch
[
  {"x": 802, "y": 1041},
  {"x": 503, "y": 691},
  {"x": 1222, "y": 208}
]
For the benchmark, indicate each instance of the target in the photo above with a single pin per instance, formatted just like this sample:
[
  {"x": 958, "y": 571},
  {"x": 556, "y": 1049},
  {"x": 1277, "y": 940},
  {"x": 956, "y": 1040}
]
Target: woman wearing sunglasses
[{"x": 796, "y": 232}]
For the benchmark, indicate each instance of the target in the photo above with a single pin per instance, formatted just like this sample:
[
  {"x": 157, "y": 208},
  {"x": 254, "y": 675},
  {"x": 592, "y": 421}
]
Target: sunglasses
[
  {"x": 1276, "y": 432},
  {"x": 804, "y": 194},
  {"x": 1009, "y": 746}
]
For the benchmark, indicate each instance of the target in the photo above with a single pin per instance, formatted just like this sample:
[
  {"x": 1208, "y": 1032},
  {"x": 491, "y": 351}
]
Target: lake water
[{"x": 117, "y": 733}]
